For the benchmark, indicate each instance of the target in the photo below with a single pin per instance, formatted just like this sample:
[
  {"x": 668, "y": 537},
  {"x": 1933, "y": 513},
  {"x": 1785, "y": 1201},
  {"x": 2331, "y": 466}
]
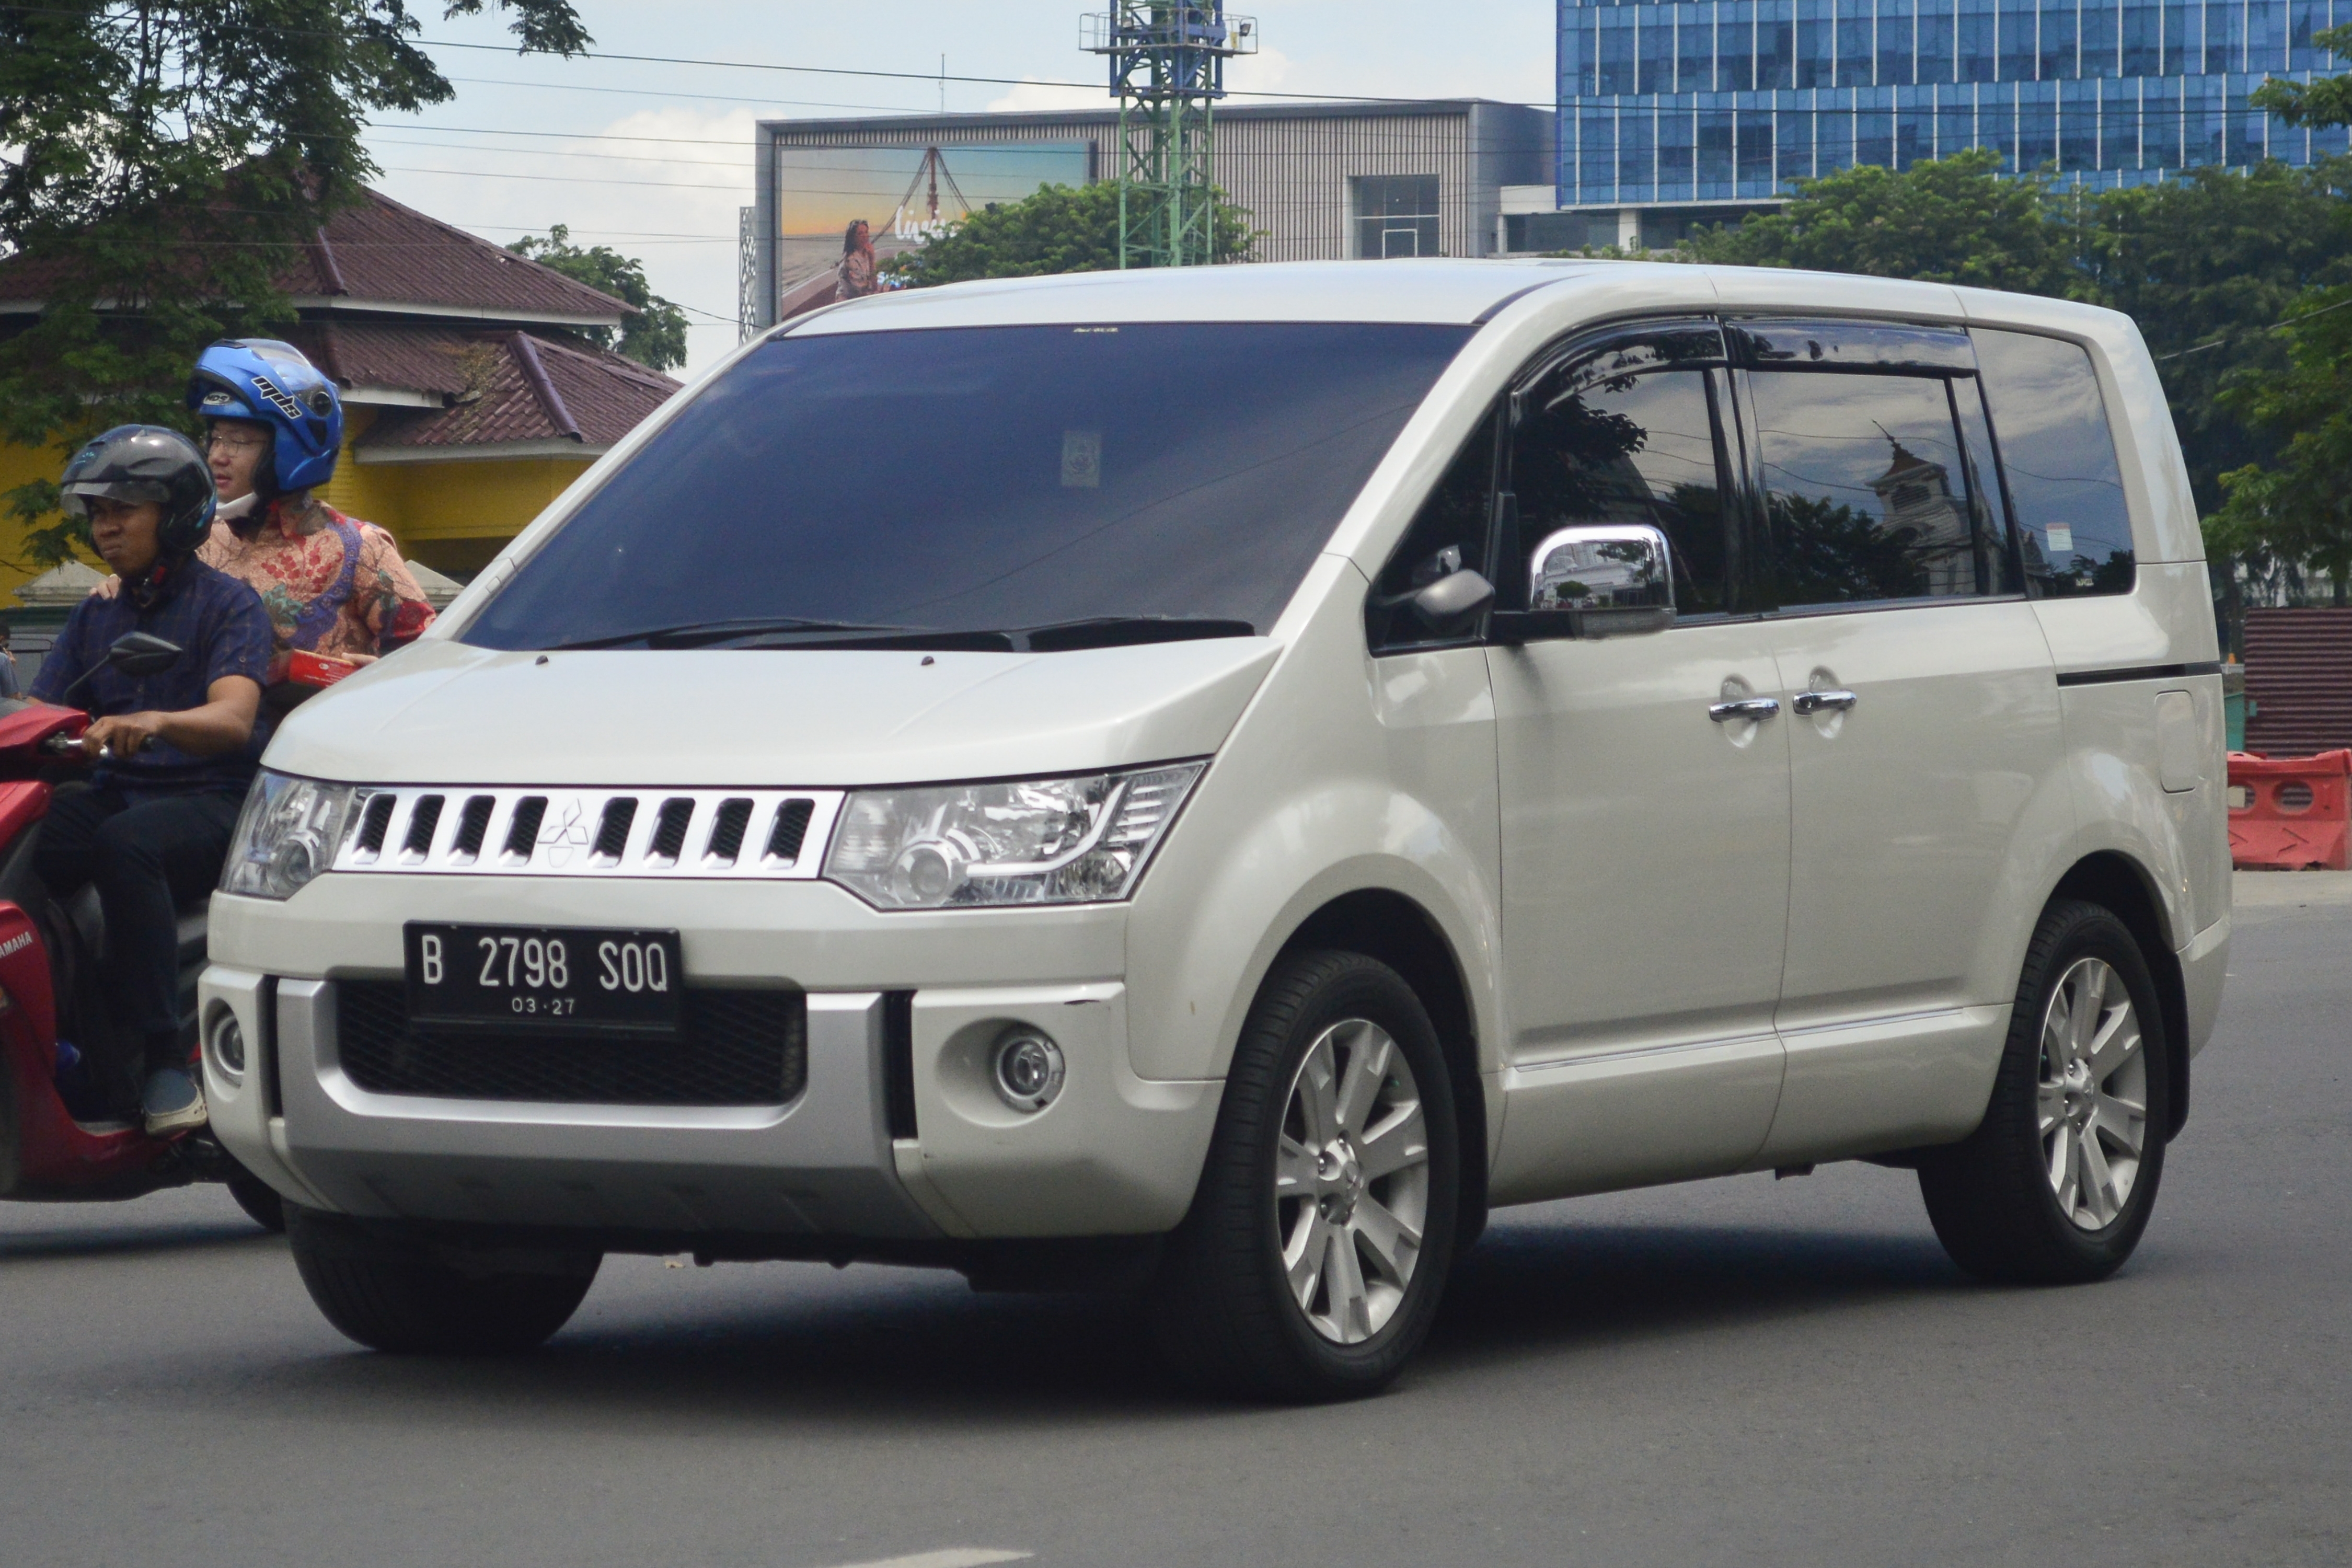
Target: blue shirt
[{"x": 222, "y": 629}]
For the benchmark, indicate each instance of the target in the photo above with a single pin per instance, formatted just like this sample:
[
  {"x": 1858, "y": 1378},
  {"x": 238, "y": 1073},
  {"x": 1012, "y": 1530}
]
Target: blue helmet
[{"x": 270, "y": 383}]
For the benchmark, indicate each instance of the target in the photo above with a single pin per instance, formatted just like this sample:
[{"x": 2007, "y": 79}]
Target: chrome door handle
[
  {"x": 1758, "y": 707},
  {"x": 1815, "y": 701}
]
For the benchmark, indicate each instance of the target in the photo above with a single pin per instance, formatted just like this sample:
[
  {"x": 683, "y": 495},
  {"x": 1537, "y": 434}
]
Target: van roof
[{"x": 1433, "y": 291}]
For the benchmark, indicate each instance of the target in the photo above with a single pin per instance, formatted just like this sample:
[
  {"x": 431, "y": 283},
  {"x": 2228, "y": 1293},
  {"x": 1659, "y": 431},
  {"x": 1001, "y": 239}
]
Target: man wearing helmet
[
  {"x": 176, "y": 751},
  {"x": 334, "y": 585}
]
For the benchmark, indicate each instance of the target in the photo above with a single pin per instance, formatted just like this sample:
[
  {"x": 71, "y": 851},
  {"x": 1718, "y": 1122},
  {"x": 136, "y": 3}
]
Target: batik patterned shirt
[{"x": 332, "y": 585}]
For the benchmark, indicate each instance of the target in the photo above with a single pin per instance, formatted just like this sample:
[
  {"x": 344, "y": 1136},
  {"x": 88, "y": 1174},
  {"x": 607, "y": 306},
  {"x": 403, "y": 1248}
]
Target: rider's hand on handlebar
[{"x": 121, "y": 734}]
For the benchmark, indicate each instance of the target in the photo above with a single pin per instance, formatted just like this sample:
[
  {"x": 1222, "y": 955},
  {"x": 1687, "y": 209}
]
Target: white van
[{"x": 1207, "y": 782}]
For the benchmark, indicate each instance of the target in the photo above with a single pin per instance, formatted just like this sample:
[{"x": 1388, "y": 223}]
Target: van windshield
[{"x": 974, "y": 481}]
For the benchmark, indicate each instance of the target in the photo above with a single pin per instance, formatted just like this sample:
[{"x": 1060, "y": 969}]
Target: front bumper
[{"x": 1114, "y": 1155}]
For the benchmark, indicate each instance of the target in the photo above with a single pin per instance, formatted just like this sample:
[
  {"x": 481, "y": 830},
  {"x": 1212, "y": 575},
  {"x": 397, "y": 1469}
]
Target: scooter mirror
[{"x": 143, "y": 653}]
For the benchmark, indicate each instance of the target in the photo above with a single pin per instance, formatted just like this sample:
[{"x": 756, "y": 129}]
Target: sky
[{"x": 655, "y": 159}]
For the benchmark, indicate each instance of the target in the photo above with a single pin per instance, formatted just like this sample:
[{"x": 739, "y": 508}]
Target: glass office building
[{"x": 1728, "y": 101}]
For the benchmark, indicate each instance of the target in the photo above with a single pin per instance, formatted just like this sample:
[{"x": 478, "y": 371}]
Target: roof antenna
[{"x": 943, "y": 84}]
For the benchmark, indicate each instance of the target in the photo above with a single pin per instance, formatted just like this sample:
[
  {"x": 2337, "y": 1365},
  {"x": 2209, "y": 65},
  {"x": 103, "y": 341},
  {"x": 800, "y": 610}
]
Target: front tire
[
  {"x": 1312, "y": 1261},
  {"x": 410, "y": 1299},
  {"x": 2056, "y": 1184}
]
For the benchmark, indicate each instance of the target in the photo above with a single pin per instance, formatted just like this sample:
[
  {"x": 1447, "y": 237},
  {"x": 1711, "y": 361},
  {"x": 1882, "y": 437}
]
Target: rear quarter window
[{"x": 2058, "y": 458}]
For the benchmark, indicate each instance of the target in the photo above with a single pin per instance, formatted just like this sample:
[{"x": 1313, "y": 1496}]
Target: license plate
[{"x": 544, "y": 979}]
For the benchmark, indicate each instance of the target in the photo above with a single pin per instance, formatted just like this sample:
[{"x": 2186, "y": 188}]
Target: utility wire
[
  {"x": 2283, "y": 324},
  {"x": 933, "y": 78},
  {"x": 929, "y": 78},
  {"x": 665, "y": 93}
]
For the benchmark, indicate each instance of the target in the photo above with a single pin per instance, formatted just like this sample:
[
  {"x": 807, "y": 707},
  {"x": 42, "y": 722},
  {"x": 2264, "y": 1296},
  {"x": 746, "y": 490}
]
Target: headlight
[
  {"x": 1041, "y": 841},
  {"x": 288, "y": 834}
]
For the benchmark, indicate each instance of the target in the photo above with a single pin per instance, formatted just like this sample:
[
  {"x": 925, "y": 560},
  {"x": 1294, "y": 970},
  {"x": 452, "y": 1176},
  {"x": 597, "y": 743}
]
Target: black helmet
[{"x": 146, "y": 462}]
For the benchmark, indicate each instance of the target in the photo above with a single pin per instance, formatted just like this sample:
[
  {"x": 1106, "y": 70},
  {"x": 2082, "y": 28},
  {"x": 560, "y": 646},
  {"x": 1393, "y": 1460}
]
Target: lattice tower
[{"x": 1168, "y": 70}]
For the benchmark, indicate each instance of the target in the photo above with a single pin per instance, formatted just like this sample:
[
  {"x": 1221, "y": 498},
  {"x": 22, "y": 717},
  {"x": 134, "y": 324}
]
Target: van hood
[{"x": 443, "y": 712}]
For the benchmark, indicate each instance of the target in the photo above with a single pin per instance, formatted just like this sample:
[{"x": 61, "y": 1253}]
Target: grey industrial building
[{"x": 1322, "y": 181}]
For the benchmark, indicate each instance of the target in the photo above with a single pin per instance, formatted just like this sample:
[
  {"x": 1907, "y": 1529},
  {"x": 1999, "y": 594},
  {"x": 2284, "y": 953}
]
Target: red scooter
[{"x": 49, "y": 995}]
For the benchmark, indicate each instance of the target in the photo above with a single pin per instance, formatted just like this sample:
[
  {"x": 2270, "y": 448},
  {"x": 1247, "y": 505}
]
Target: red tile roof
[
  {"x": 422, "y": 356},
  {"x": 383, "y": 251},
  {"x": 513, "y": 387},
  {"x": 384, "y": 254}
]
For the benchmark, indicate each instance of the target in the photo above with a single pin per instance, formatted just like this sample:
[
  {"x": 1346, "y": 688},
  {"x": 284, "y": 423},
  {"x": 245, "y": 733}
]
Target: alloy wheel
[
  {"x": 1352, "y": 1180},
  {"x": 2092, "y": 1096}
]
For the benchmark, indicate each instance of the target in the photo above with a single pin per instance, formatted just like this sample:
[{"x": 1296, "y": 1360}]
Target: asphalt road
[{"x": 1741, "y": 1371}]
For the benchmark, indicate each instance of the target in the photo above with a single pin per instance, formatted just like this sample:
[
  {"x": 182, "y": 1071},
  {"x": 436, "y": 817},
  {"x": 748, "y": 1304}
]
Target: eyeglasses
[{"x": 222, "y": 440}]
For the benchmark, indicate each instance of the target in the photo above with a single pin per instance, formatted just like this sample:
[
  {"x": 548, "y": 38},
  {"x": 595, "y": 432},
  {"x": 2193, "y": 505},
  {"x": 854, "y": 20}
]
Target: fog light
[
  {"x": 227, "y": 1045},
  {"x": 1028, "y": 1069}
]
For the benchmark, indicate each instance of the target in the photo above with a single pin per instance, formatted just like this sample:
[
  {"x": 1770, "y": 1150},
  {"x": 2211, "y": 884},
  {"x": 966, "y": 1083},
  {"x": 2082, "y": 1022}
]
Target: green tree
[
  {"x": 2299, "y": 505},
  {"x": 2326, "y": 102},
  {"x": 1946, "y": 220},
  {"x": 655, "y": 337},
  {"x": 2207, "y": 265},
  {"x": 1059, "y": 229},
  {"x": 2297, "y": 502},
  {"x": 159, "y": 160}
]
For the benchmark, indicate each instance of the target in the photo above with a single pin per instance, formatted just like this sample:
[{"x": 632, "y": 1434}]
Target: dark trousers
[{"x": 147, "y": 854}]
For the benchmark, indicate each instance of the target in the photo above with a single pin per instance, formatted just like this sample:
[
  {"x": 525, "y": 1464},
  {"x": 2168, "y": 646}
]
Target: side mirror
[
  {"x": 133, "y": 654},
  {"x": 1450, "y": 605},
  {"x": 1607, "y": 580},
  {"x": 142, "y": 653}
]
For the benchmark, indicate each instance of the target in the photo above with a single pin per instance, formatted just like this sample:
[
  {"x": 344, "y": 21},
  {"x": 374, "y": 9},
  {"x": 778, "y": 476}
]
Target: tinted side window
[
  {"x": 2059, "y": 458},
  {"x": 1447, "y": 534},
  {"x": 1629, "y": 448},
  {"x": 1868, "y": 492}
]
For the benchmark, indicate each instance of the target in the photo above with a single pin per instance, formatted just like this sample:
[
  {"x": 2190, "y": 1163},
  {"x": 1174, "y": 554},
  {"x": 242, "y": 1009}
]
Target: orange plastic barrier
[{"x": 2290, "y": 814}]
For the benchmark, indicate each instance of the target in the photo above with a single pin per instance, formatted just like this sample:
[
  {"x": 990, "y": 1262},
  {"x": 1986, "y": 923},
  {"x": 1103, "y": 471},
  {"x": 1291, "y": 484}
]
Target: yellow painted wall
[
  {"x": 453, "y": 514},
  {"x": 21, "y": 465}
]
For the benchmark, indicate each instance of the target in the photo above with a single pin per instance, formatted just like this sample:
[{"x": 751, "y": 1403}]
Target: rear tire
[
  {"x": 408, "y": 1299},
  {"x": 2055, "y": 1185},
  {"x": 257, "y": 1199},
  {"x": 1313, "y": 1260}
]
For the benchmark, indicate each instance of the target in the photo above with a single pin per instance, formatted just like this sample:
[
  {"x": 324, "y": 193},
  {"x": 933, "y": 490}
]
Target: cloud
[
  {"x": 1030, "y": 95},
  {"x": 715, "y": 151},
  {"x": 1260, "y": 72}
]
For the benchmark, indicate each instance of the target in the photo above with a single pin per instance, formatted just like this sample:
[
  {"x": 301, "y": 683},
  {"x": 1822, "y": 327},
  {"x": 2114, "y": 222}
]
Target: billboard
[{"x": 910, "y": 194}]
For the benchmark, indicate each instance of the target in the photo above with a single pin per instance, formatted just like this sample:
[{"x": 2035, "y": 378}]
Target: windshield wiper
[
  {"x": 1121, "y": 631},
  {"x": 699, "y": 633},
  {"x": 884, "y": 637}
]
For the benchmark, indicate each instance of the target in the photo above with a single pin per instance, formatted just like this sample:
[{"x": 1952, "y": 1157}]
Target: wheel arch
[
  {"x": 2123, "y": 886},
  {"x": 1384, "y": 924}
]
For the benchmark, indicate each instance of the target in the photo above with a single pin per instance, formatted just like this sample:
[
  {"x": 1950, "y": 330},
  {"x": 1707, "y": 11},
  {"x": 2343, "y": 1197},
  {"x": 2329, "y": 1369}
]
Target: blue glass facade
[{"x": 1731, "y": 99}]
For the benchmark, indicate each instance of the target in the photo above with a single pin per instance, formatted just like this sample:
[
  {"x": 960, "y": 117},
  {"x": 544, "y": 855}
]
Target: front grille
[
  {"x": 422, "y": 821},
  {"x": 737, "y": 1047},
  {"x": 374, "y": 821},
  {"x": 729, "y": 834},
  {"x": 472, "y": 824}
]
